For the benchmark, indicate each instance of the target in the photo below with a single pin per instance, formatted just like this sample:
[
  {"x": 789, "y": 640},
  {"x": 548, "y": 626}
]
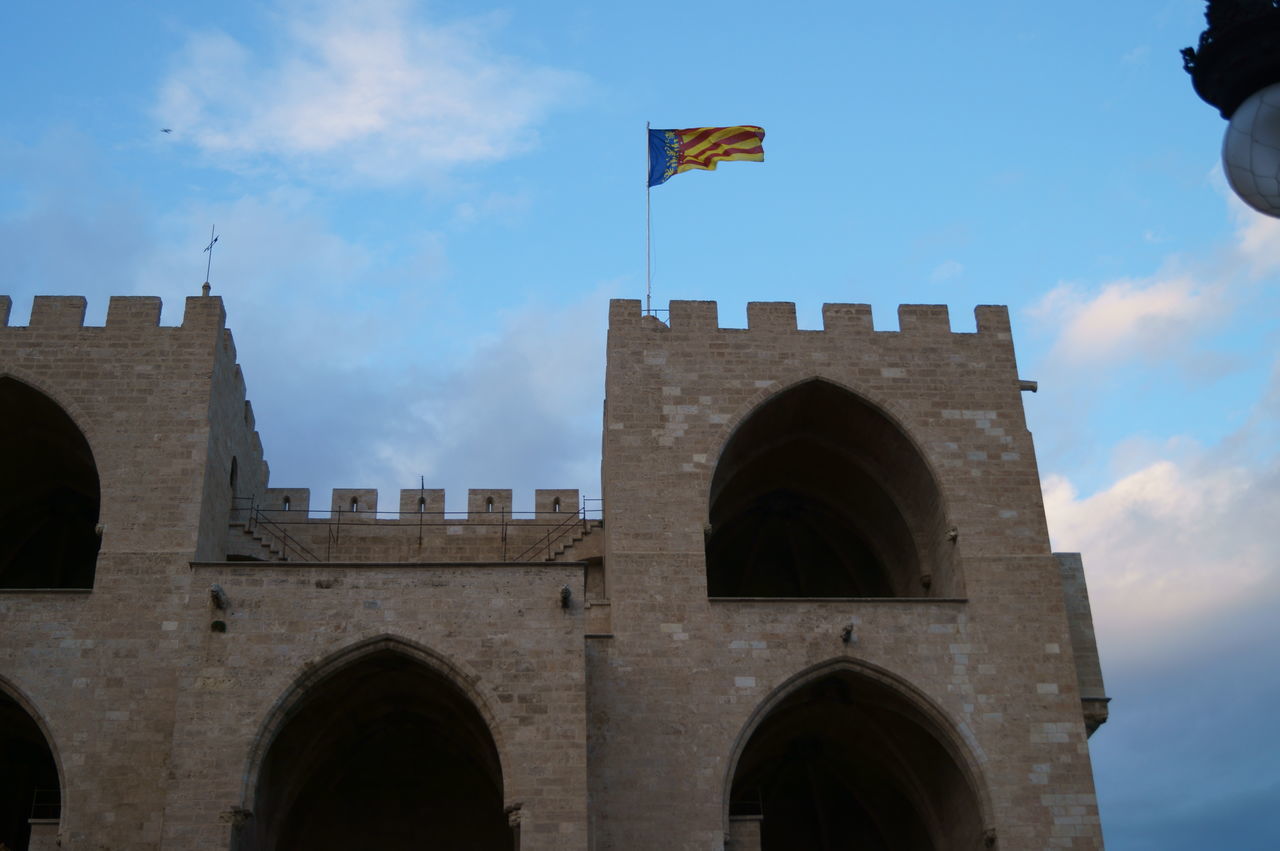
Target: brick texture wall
[{"x": 619, "y": 712}]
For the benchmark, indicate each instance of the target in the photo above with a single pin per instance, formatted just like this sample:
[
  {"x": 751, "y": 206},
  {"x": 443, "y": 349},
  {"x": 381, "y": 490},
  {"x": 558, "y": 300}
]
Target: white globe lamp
[
  {"x": 1251, "y": 151},
  {"x": 1236, "y": 67}
]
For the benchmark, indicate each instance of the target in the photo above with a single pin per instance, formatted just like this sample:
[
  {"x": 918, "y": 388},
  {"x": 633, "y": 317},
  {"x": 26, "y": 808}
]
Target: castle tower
[
  {"x": 834, "y": 618},
  {"x": 125, "y": 446},
  {"x": 192, "y": 660},
  {"x": 821, "y": 612}
]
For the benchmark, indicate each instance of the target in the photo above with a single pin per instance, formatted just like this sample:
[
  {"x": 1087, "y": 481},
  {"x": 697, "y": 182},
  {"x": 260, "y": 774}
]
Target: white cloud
[
  {"x": 272, "y": 249},
  {"x": 502, "y": 206},
  {"x": 522, "y": 411},
  {"x": 1157, "y": 317},
  {"x": 1256, "y": 248},
  {"x": 946, "y": 271},
  {"x": 1126, "y": 317},
  {"x": 1180, "y": 543},
  {"x": 1257, "y": 240},
  {"x": 365, "y": 91}
]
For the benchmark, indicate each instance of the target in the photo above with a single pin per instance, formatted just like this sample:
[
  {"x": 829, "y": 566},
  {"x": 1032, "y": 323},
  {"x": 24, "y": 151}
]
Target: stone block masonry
[{"x": 821, "y": 607}]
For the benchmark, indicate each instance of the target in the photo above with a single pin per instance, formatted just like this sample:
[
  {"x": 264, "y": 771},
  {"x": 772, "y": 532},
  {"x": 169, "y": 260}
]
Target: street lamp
[{"x": 1236, "y": 68}]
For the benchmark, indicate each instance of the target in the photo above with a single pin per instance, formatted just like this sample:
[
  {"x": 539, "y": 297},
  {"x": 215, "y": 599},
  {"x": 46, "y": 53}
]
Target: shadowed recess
[
  {"x": 50, "y": 499},
  {"x": 848, "y": 762},
  {"x": 819, "y": 494},
  {"x": 28, "y": 775},
  {"x": 386, "y": 754}
]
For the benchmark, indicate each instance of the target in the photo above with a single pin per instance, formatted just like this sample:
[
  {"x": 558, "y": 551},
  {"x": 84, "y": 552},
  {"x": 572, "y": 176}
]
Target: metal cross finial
[{"x": 209, "y": 248}]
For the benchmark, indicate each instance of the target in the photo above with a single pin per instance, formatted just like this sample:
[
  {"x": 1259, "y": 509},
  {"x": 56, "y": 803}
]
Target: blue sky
[{"x": 424, "y": 207}]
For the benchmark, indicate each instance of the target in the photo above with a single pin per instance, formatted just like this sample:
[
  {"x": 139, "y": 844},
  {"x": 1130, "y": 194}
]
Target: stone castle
[{"x": 818, "y": 609}]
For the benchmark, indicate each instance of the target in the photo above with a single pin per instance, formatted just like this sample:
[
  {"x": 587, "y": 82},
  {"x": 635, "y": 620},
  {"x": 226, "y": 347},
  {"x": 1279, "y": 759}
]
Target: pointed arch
[
  {"x": 902, "y": 772},
  {"x": 819, "y": 492},
  {"x": 49, "y": 510},
  {"x": 78, "y": 416},
  {"x": 33, "y": 774},
  {"x": 363, "y": 711},
  {"x": 890, "y": 409}
]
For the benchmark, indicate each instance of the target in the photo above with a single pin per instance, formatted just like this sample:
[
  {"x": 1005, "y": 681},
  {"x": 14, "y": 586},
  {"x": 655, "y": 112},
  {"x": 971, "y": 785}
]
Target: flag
[{"x": 674, "y": 151}]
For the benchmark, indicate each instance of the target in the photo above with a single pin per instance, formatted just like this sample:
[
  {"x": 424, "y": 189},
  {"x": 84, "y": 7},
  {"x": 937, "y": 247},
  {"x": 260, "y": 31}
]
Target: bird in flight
[{"x": 166, "y": 130}]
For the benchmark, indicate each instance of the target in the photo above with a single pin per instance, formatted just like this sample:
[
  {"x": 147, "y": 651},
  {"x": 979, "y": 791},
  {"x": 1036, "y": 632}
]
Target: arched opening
[
  {"x": 488, "y": 505},
  {"x": 50, "y": 501},
  {"x": 422, "y": 505},
  {"x": 849, "y": 761},
  {"x": 819, "y": 494},
  {"x": 286, "y": 504},
  {"x": 355, "y": 504},
  {"x": 384, "y": 753},
  {"x": 555, "y": 505},
  {"x": 29, "y": 785}
]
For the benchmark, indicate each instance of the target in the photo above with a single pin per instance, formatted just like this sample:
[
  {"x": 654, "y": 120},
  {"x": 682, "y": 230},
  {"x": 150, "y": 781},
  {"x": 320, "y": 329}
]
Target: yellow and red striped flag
[{"x": 674, "y": 151}]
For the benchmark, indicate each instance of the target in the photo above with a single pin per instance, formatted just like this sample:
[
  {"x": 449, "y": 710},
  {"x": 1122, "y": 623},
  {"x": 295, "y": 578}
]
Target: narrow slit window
[
  {"x": 422, "y": 505},
  {"x": 488, "y": 505},
  {"x": 284, "y": 503},
  {"x": 555, "y": 505},
  {"x": 355, "y": 504}
]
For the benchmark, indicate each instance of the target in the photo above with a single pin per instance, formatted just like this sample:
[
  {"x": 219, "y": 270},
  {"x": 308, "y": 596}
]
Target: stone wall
[
  {"x": 152, "y": 716},
  {"x": 619, "y": 709},
  {"x": 370, "y": 534},
  {"x": 678, "y": 684},
  {"x": 499, "y": 632},
  {"x": 99, "y": 667}
]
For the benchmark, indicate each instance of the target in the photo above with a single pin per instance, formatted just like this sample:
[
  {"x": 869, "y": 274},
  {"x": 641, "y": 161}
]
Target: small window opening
[
  {"x": 488, "y": 505},
  {"x": 422, "y": 505},
  {"x": 284, "y": 503},
  {"x": 355, "y": 504},
  {"x": 555, "y": 504},
  {"x": 235, "y": 474}
]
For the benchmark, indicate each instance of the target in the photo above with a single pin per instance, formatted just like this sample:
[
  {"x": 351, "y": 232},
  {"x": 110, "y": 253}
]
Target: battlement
[
  {"x": 361, "y": 504},
  {"x": 355, "y": 530},
  {"x": 917, "y": 320},
  {"x": 124, "y": 313}
]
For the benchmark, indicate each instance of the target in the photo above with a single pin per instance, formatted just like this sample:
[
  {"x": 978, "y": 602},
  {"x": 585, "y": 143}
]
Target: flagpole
[{"x": 648, "y": 226}]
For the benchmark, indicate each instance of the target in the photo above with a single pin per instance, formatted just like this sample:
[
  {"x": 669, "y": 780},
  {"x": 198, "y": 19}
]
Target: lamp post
[{"x": 1236, "y": 68}]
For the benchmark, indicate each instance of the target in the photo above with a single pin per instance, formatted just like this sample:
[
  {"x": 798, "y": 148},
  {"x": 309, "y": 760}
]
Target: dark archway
[
  {"x": 848, "y": 761},
  {"x": 50, "y": 497},
  {"x": 29, "y": 786},
  {"x": 383, "y": 753},
  {"x": 819, "y": 494}
]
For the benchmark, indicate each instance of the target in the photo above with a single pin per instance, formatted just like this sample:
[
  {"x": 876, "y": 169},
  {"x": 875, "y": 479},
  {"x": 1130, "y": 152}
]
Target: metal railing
[
  {"x": 254, "y": 520},
  {"x": 570, "y": 526},
  {"x": 262, "y": 521}
]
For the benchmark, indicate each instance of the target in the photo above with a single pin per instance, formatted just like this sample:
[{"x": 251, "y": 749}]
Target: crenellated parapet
[
  {"x": 124, "y": 314},
  {"x": 287, "y": 500},
  {"x": 488, "y": 503},
  {"x": 780, "y": 317},
  {"x": 425, "y": 501},
  {"x": 354, "y": 530},
  {"x": 678, "y": 392},
  {"x": 142, "y": 391},
  {"x": 555, "y": 504},
  {"x": 355, "y": 502},
  {"x": 483, "y": 505}
]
